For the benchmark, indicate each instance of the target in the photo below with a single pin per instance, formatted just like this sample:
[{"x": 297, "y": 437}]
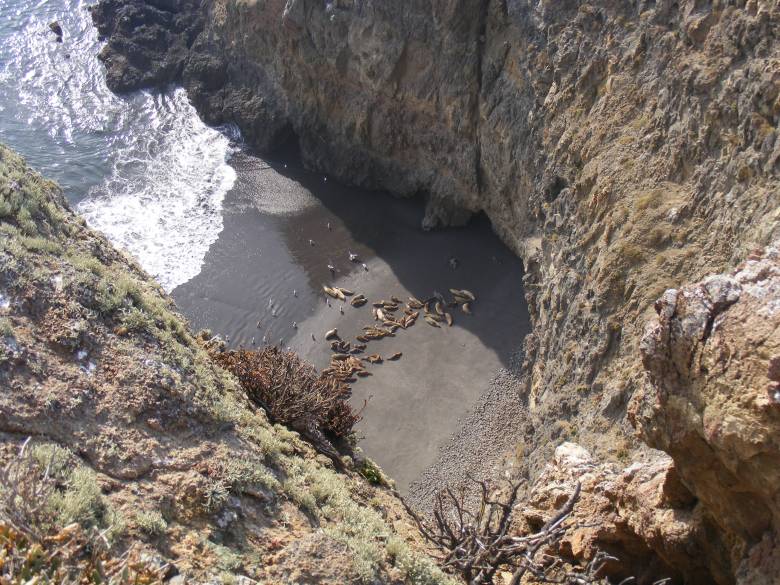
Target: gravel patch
[{"x": 488, "y": 435}]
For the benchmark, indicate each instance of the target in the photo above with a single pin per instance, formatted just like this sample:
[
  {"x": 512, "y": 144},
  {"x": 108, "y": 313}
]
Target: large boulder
[
  {"x": 713, "y": 402},
  {"x": 641, "y": 514}
]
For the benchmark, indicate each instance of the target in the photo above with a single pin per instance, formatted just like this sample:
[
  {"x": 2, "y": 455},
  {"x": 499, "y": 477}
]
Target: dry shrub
[
  {"x": 72, "y": 556},
  {"x": 35, "y": 549},
  {"x": 479, "y": 544},
  {"x": 291, "y": 391}
]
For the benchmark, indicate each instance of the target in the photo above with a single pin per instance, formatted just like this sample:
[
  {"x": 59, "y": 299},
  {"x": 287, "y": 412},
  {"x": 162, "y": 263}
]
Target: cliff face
[
  {"x": 714, "y": 403},
  {"x": 620, "y": 148},
  {"x": 135, "y": 434}
]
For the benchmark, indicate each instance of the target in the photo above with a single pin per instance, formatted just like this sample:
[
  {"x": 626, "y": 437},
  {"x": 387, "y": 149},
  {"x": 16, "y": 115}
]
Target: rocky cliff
[
  {"x": 620, "y": 148},
  {"x": 136, "y": 436},
  {"x": 712, "y": 354}
]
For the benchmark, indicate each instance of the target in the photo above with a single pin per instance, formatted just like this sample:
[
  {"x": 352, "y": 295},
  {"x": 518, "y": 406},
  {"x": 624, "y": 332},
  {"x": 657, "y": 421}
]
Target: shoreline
[{"x": 414, "y": 405}]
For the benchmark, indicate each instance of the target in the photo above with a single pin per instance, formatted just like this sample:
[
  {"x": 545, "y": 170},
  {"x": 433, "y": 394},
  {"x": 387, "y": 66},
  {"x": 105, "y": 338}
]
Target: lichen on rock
[{"x": 712, "y": 403}]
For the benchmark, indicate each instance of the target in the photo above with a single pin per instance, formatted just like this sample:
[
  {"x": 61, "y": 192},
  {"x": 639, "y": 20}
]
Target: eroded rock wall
[
  {"x": 714, "y": 402},
  {"x": 619, "y": 147}
]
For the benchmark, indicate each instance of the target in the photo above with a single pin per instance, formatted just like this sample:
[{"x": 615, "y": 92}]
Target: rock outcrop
[
  {"x": 641, "y": 514},
  {"x": 713, "y": 355},
  {"x": 140, "y": 436}
]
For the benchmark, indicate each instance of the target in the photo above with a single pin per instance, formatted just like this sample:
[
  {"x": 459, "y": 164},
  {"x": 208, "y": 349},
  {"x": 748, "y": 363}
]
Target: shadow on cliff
[{"x": 389, "y": 228}]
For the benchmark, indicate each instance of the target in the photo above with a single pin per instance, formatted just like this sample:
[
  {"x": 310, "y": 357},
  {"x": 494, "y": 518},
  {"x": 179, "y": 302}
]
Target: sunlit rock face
[{"x": 714, "y": 402}]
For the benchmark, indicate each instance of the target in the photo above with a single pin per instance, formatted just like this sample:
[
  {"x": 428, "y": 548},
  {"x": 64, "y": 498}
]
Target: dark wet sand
[{"x": 264, "y": 254}]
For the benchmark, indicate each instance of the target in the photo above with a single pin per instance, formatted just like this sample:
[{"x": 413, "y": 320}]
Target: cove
[{"x": 261, "y": 283}]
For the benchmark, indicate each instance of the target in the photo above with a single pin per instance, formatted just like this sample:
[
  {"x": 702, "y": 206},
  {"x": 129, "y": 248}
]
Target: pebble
[{"x": 470, "y": 450}]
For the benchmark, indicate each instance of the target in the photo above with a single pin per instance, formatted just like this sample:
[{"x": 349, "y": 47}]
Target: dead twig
[{"x": 476, "y": 542}]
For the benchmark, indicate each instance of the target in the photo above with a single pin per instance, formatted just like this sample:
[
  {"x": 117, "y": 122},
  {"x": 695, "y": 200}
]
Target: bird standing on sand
[
  {"x": 253, "y": 341},
  {"x": 328, "y": 226},
  {"x": 341, "y": 310},
  {"x": 313, "y": 338},
  {"x": 353, "y": 257},
  {"x": 365, "y": 267},
  {"x": 295, "y": 325},
  {"x": 331, "y": 268},
  {"x": 295, "y": 293},
  {"x": 265, "y": 339},
  {"x": 311, "y": 242}
]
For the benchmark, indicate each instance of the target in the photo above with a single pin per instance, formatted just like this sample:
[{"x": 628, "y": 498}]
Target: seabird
[
  {"x": 311, "y": 242},
  {"x": 295, "y": 293},
  {"x": 365, "y": 267},
  {"x": 353, "y": 257},
  {"x": 328, "y": 226},
  {"x": 331, "y": 268},
  {"x": 341, "y": 310},
  {"x": 253, "y": 341},
  {"x": 265, "y": 339},
  {"x": 295, "y": 325},
  {"x": 313, "y": 338}
]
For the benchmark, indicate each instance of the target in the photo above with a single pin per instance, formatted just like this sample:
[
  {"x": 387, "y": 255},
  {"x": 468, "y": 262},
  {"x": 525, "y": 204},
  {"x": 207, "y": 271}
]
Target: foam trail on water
[
  {"x": 142, "y": 168},
  {"x": 163, "y": 199}
]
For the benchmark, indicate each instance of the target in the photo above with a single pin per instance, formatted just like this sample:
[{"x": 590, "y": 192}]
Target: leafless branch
[{"x": 476, "y": 542}]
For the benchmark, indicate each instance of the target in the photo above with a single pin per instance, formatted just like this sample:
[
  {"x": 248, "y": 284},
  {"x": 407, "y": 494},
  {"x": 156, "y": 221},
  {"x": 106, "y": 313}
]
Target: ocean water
[{"x": 142, "y": 168}]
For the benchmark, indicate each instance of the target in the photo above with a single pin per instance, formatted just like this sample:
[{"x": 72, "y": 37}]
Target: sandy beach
[{"x": 283, "y": 226}]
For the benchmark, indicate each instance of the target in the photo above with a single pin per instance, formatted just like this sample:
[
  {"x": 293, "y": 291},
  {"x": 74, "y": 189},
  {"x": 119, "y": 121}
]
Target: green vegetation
[
  {"x": 360, "y": 528},
  {"x": 235, "y": 477},
  {"x": 66, "y": 491},
  {"x": 6, "y": 327},
  {"x": 151, "y": 522},
  {"x": 371, "y": 473},
  {"x": 25, "y": 198}
]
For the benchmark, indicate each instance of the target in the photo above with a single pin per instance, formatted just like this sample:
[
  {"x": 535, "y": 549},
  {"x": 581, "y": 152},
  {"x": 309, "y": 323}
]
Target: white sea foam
[
  {"x": 163, "y": 200},
  {"x": 142, "y": 168}
]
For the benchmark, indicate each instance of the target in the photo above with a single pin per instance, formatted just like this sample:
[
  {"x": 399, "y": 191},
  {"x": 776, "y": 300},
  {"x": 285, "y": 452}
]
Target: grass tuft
[{"x": 151, "y": 522}]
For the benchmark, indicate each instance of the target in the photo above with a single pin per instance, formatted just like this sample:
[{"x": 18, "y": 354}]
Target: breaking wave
[{"x": 142, "y": 168}]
